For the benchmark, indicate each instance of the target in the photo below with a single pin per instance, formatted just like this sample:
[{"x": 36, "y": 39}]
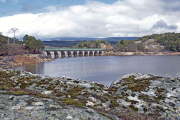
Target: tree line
[
  {"x": 170, "y": 41},
  {"x": 91, "y": 44},
  {"x": 29, "y": 45},
  {"x": 32, "y": 44},
  {"x": 128, "y": 46}
]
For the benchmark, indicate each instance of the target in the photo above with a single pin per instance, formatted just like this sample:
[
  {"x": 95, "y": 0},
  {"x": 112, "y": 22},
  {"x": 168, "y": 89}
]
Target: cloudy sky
[{"x": 89, "y": 18}]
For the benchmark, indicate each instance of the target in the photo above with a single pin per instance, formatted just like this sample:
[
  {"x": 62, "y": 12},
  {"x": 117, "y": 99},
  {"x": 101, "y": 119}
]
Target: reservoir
[{"x": 106, "y": 69}]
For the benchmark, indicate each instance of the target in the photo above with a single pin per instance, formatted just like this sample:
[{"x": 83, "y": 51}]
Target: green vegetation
[
  {"x": 91, "y": 44},
  {"x": 74, "y": 92},
  {"x": 33, "y": 45},
  {"x": 160, "y": 90},
  {"x": 128, "y": 46},
  {"x": 77, "y": 103},
  {"x": 104, "y": 114},
  {"x": 136, "y": 85},
  {"x": 171, "y": 42},
  {"x": 113, "y": 103},
  {"x": 3, "y": 44},
  {"x": 100, "y": 86},
  {"x": 145, "y": 98},
  {"x": 17, "y": 92},
  {"x": 133, "y": 108}
]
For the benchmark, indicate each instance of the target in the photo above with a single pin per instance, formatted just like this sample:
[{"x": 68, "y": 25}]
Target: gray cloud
[
  {"x": 122, "y": 18},
  {"x": 170, "y": 5},
  {"x": 163, "y": 24},
  {"x": 28, "y": 7},
  {"x": 160, "y": 24},
  {"x": 172, "y": 27}
]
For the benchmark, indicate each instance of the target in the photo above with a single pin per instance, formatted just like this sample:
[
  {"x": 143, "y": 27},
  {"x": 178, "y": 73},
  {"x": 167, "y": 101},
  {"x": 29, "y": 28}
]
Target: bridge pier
[
  {"x": 69, "y": 53},
  {"x": 86, "y": 53},
  {"x": 75, "y": 54},
  {"x": 63, "y": 55},
  {"x": 91, "y": 53},
  {"x": 49, "y": 54},
  {"x": 81, "y": 54},
  {"x": 56, "y": 55},
  {"x": 96, "y": 53},
  {"x": 100, "y": 53}
]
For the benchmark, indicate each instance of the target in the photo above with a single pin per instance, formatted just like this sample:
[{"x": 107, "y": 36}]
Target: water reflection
[
  {"x": 105, "y": 69},
  {"x": 37, "y": 68}
]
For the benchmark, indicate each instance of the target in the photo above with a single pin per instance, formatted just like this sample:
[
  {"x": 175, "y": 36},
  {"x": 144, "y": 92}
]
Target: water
[{"x": 106, "y": 69}]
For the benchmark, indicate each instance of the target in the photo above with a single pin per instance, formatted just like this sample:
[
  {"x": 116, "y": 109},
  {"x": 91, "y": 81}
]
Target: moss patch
[
  {"x": 74, "y": 92},
  {"x": 112, "y": 90},
  {"x": 100, "y": 86},
  {"x": 136, "y": 85},
  {"x": 145, "y": 98},
  {"x": 133, "y": 108},
  {"x": 160, "y": 90},
  {"x": 104, "y": 114},
  {"x": 17, "y": 92},
  {"x": 113, "y": 103},
  {"x": 77, "y": 103}
]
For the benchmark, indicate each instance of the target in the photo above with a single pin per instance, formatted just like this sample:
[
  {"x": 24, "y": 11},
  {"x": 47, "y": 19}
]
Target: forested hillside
[
  {"x": 93, "y": 44},
  {"x": 28, "y": 45},
  {"x": 151, "y": 43}
]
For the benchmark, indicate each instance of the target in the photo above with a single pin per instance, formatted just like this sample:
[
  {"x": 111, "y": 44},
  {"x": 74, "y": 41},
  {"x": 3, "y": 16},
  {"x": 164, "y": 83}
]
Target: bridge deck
[{"x": 69, "y": 49}]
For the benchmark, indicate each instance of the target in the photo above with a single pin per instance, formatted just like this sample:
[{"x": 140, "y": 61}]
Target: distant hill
[
  {"x": 84, "y": 39},
  {"x": 151, "y": 43},
  {"x": 120, "y": 38},
  {"x": 171, "y": 41},
  {"x": 71, "y": 41},
  {"x": 60, "y": 43}
]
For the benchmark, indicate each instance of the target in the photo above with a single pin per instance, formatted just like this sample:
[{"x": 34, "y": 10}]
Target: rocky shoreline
[
  {"x": 7, "y": 62},
  {"x": 134, "y": 96},
  {"x": 111, "y": 53}
]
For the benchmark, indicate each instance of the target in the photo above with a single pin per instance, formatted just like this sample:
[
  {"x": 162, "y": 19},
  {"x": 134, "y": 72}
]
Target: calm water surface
[{"x": 106, "y": 69}]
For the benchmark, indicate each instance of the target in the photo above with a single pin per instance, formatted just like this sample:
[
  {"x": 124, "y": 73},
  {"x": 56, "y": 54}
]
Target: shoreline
[
  {"x": 111, "y": 53},
  {"x": 27, "y": 93},
  {"x": 7, "y": 62}
]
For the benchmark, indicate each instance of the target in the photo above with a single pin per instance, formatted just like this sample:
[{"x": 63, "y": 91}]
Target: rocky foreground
[{"x": 24, "y": 95}]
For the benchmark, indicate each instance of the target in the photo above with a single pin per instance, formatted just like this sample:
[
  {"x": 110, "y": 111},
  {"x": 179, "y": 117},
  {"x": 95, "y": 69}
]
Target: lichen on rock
[{"x": 141, "y": 96}]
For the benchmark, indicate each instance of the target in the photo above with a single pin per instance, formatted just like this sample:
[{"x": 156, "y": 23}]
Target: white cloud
[{"x": 122, "y": 18}]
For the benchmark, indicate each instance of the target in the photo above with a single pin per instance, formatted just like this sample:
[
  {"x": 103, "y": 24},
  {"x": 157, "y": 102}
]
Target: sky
[{"x": 89, "y": 18}]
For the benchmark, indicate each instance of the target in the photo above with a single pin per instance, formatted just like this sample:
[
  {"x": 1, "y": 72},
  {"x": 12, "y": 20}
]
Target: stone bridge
[{"x": 72, "y": 52}]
